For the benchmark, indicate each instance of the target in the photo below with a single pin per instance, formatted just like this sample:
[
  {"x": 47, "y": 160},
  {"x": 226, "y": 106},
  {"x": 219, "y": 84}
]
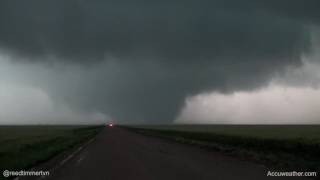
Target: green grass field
[
  {"x": 22, "y": 147},
  {"x": 282, "y": 146}
]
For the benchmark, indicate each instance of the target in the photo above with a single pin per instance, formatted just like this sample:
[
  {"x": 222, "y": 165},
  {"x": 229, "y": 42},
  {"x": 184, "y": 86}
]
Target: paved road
[{"x": 118, "y": 154}]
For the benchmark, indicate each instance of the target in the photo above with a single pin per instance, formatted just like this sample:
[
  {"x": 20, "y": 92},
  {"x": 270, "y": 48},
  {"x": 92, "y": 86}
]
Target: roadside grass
[
  {"x": 280, "y": 146},
  {"x": 22, "y": 147}
]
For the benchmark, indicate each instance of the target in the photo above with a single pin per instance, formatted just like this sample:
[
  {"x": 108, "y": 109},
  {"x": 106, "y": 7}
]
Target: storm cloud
[{"x": 138, "y": 61}]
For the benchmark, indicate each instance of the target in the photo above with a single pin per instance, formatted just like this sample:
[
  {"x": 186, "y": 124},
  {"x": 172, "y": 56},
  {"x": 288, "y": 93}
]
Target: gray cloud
[
  {"x": 169, "y": 30},
  {"x": 144, "y": 58}
]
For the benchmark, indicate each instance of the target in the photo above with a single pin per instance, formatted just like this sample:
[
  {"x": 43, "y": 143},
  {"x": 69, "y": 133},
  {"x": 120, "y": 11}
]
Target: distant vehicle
[{"x": 110, "y": 125}]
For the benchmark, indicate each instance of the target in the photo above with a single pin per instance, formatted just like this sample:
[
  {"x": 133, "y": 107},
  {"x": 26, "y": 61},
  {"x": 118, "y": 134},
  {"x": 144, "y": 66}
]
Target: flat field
[
  {"x": 295, "y": 147},
  {"x": 22, "y": 147}
]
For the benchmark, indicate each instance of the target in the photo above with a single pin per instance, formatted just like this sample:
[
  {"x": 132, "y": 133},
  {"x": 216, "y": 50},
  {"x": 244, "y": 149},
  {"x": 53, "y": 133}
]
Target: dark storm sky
[{"x": 139, "y": 60}]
